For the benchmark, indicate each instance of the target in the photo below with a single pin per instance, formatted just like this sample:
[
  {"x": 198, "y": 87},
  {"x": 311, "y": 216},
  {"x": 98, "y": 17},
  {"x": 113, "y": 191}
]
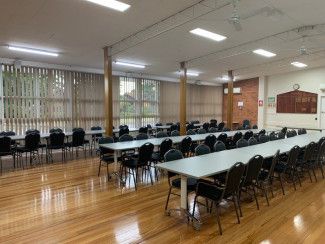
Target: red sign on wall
[{"x": 260, "y": 103}]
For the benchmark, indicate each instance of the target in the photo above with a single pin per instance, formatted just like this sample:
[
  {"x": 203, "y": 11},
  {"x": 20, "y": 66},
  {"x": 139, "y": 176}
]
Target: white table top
[
  {"x": 157, "y": 141},
  {"x": 130, "y": 130},
  {"x": 218, "y": 162}
]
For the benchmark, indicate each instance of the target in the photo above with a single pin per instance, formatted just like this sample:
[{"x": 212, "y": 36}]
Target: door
[{"x": 322, "y": 113}]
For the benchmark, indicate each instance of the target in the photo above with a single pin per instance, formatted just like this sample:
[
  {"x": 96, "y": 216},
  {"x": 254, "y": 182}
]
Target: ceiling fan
[{"x": 236, "y": 18}]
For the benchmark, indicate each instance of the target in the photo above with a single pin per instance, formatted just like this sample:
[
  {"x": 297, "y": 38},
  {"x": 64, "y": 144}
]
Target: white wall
[{"x": 309, "y": 80}]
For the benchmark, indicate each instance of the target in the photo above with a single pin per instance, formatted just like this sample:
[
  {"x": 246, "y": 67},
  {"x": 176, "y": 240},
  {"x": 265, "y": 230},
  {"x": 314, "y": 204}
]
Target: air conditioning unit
[
  {"x": 237, "y": 90},
  {"x": 322, "y": 87}
]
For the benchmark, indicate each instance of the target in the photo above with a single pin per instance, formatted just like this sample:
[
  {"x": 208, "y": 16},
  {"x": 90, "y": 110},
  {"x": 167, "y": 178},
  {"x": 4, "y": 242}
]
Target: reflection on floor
[{"x": 69, "y": 203}]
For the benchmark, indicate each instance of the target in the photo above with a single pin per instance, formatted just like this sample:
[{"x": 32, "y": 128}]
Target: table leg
[{"x": 184, "y": 204}]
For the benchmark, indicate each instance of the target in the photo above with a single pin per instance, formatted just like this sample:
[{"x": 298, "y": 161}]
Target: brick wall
[{"x": 248, "y": 95}]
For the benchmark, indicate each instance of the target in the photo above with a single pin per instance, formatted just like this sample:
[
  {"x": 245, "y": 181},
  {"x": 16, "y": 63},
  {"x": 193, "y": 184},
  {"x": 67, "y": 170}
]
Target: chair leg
[
  {"x": 321, "y": 168},
  {"x": 235, "y": 204},
  {"x": 107, "y": 171},
  {"x": 308, "y": 170},
  {"x": 293, "y": 180},
  {"x": 281, "y": 182},
  {"x": 239, "y": 206},
  {"x": 265, "y": 194},
  {"x": 169, "y": 192},
  {"x": 150, "y": 174},
  {"x": 135, "y": 177},
  {"x": 257, "y": 204},
  {"x": 218, "y": 218},
  {"x": 100, "y": 165},
  {"x": 1, "y": 165},
  {"x": 297, "y": 173},
  {"x": 195, "y": 199},
  {"x": 314, "y": 173}
]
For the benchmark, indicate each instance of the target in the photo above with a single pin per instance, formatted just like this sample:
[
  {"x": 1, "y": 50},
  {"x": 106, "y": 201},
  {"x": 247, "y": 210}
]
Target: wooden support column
[
  {"x": 230, "y": 100},
  {"x": 182, "y": 97},
  {"x": 108, "y": 79}
]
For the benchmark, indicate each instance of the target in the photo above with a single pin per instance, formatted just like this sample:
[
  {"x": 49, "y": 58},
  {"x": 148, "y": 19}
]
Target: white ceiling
[{"x": 78, "y": 30}]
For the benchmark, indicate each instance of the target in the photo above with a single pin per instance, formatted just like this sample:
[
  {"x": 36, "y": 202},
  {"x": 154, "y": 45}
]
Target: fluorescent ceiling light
[
  {"x": 113, "y": 4},
  {"x": 299, "y": 65},
  {"x": 264, "y": 53},
  {"x": 208, "y": 34},
  {"x": 35, "y": 51},
  {"x": 140, "y": 66},
  {"x": 225, "y": 78},
  {"x": 192, "y": 74}
]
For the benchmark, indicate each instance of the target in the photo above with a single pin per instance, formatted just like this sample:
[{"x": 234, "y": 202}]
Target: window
[{"x": 139, "y": 101}]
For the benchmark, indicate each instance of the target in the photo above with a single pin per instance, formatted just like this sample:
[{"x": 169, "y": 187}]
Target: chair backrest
[
  {"x": 291, "y": 133},
  {"x": 143, "y": 130},
  {"x": 302, "y": 131},
  {"x": 275, "y": 160},
  {"x": 213, "y": 130},
  {"x": 221, "y": 126},
  {"x": 185, "y": 145},
  {"x": 145, "y": 152},
  {"x": 219, "y": 146},
  {"x": 77, "y": 128},
  {"x": 57, "y": 139},
  {"x": 96, "y": 128},
  {"x": 30, "y": 131},
  {"x": 32, "y": 141},
  {"x": 262, "y": 132},
  {"x": 241, "y": 143},
  {"x": 165, "y": 146},
  {"x": 281, "y": 135},
  {"x": 171, "y": 155},
  {"x": 223, "y": 137},
  {"x": 142, "y": 136},
  {"x": 161, "y": 134},
  {"x": 53, "y": 130},
  {"x": 246, "y": 122},
  {"x": 320, "y": 142},
  {"x": 149, "y": 126},
  {"x": 190, "y": 132},
  {"x": 78, "y": 138},
  {"x": 202, "y": 131},
  {"x": 234, "y": 178},
  {"x": 255, "y": 127},
  {"x": 206, "y": 126},
  {"x": 252, "y": 141},
  {"x": 169, "y": 123},
  {"x": 247, "y": 135},
  {"x": 253, "y": 169},
  {"x": 321, "y": 153},
  {"x": 123, "y": 131},
  {"x": 126, "y": 137},
  {"x": 173, "y": 127},
  {"x": 202, "y": 149},
  {"x": 237, "y": 136},
  {"x": 158, "y": 124},
  {"x": 210, "y": 140},
  {"x": 263, "y": 138},
  {"x": 309, "y": 152},
  {"x": 174, "y": 133},
  {"x": 5, "y": 144},
  {"x": 273, "y": 136},
  {"x": 293, "y": 156},
  {"x": 284, "y": 130},
  {"x": 213, "y": 123},
  {"x": 225, "y": 129},
  {"x": 105, "y": 140}
]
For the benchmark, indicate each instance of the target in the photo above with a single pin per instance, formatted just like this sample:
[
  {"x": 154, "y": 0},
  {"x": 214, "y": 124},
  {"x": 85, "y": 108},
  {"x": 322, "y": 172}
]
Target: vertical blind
[{"x": 43, "y": 98}]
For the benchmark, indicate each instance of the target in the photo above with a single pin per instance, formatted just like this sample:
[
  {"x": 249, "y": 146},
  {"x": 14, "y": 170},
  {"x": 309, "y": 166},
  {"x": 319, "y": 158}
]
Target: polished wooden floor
[{"x": 68, "y": 203}]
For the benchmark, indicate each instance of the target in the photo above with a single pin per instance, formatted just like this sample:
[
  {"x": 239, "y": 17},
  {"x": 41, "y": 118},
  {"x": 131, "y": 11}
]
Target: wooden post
[
  {"x": 182, "y": 97},
  {"x": 108, "y": 80},
  {"x": 230, "y": 100}
]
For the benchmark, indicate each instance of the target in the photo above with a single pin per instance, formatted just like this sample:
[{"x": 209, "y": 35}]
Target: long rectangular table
[
  {"x": 218, "y": 162},
  {"x": 122, "y": 146}
]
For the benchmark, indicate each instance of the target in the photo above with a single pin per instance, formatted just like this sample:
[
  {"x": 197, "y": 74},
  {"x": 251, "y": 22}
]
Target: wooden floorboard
[{"x": 68, "y": 203}]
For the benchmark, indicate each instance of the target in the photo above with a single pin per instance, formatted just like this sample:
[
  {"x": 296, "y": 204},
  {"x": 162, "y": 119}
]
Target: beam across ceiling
[{"x": 191, "y": 13}]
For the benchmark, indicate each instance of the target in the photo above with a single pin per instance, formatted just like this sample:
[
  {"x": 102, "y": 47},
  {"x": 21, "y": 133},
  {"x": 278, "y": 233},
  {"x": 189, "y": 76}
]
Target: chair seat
[
  {"x": 42, "y": 145},
  {"x": 209, "y": 191},
  {"x": 263, "y": 175},
  {"x": 5, "y": 154},
  {"x": 21, "y": 149},
  {"x": 191, "y": 184},
  {"x": 107, "y": 158},
  {"x": 155, "y": 156},
  {"x": 86, "y": 141},
  {"x": 280, "y": 167},
  {"x": 54, "y": 147}
]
